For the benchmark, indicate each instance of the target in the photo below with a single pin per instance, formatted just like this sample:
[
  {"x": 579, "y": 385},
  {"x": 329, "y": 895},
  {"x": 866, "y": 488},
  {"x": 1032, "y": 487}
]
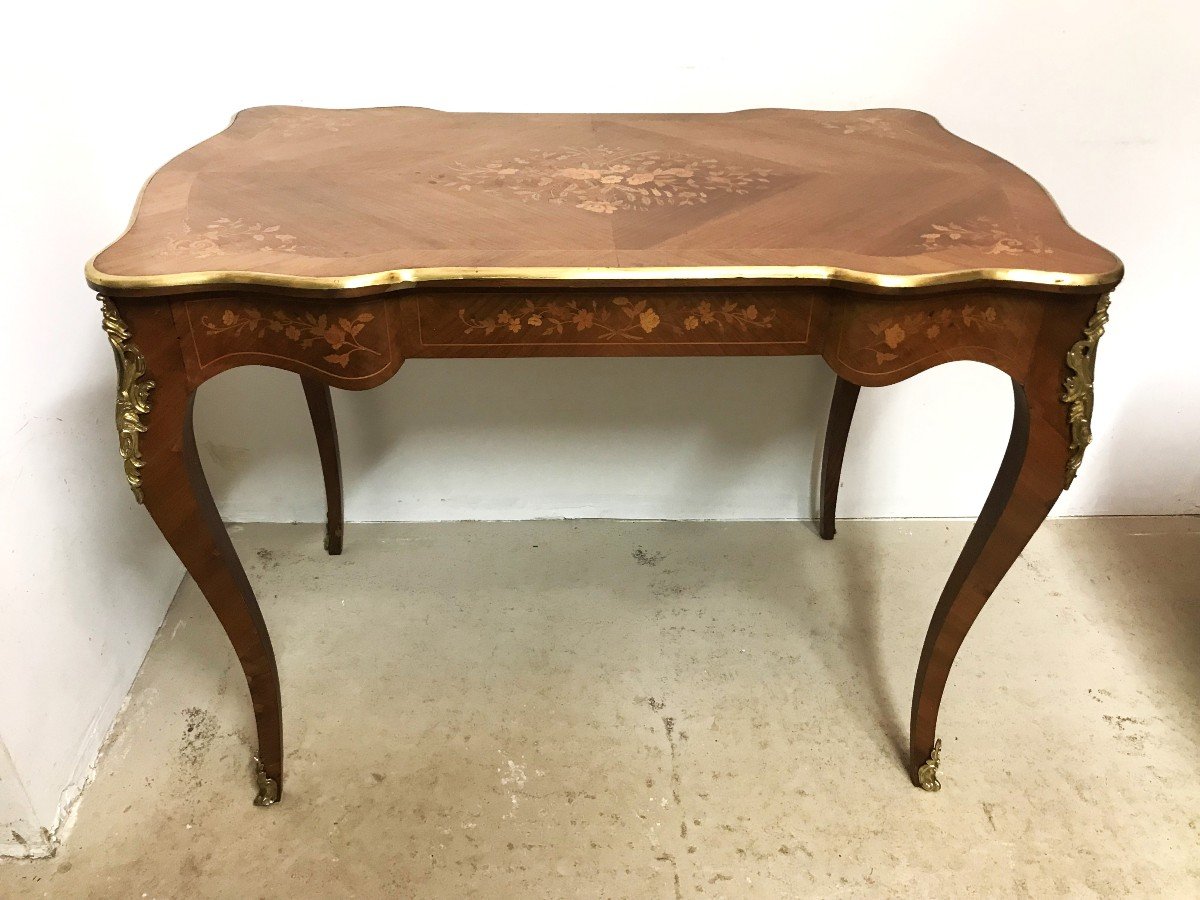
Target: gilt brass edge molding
[
  {"x": 1079, "y": 388},
  {"x": 927, "y": 774},
  {"x": 402, "y": 278},
  {"x": 133, "y": 393}
]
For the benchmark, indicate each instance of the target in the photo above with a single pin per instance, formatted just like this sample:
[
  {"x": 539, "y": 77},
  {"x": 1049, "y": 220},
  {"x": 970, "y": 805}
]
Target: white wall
[{"x": 1096, "y": 99}]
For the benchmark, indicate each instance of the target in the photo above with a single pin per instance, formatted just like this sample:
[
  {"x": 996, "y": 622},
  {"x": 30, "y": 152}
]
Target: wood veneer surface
[{"x": 289, "y": 193}]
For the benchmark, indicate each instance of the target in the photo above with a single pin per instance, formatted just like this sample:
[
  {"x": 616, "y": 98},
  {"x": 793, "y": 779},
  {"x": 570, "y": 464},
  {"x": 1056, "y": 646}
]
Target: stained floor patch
[{"x": 648, "y": 559}]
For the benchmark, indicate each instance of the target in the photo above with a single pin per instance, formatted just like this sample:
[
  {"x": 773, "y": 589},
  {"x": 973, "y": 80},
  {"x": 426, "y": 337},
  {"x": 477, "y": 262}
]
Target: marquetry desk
[{"x": 338, "y": 243}]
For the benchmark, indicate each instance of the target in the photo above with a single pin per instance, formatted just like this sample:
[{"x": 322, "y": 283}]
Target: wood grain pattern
[{"x": 373, "y": 199}]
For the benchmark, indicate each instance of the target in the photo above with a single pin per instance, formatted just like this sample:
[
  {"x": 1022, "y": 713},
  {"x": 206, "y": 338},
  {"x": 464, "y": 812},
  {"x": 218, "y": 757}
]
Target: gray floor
[{"x": 611, "y": 709}]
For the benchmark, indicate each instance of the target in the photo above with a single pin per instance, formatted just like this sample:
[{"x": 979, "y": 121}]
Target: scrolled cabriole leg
[
  {"x": 163, "y": 467},
  {"x": 320, "y": 410},
  {"x": 1028, "y": 483},
  {"x": 1051, "y": 429},
  {"x": 841, "y": 413}
]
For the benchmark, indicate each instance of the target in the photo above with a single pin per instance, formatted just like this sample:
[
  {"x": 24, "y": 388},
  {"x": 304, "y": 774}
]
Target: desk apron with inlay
[{"x": 338, "y": 243}]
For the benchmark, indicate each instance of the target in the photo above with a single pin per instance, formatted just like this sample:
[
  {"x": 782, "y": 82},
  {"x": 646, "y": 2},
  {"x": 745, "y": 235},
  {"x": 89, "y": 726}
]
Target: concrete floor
[{"x": 613, "y": 709}]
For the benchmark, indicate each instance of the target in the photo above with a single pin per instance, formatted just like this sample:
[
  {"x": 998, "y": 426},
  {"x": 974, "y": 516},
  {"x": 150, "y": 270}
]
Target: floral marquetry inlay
[
  {"x": 364, "y": 201},
  {"x": 865, "y": 125},
  {"x": 604, "y": 179},
  {"x": 302, "y": 122},
  {"x": 982, "y": 234},
  {"x": 893, "y": 333},
  {"x": 232, "y": 236},
  {"x": 619, "y": 318},
  {"x": 339, "y": 335}
]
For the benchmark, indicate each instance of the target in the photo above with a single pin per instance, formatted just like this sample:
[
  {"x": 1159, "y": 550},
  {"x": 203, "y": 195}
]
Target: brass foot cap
[
  {"x": 268, "y": 787},
  {"x": 927, "y": 774}
]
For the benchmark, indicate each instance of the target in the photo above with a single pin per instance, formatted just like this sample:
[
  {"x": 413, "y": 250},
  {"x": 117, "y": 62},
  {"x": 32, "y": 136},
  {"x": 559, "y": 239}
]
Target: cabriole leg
[
  {"x": 1030, "y": 479},
  {"x": 154, "y": 417},
  {"x": 1052, "y": 411},
  {"x": 320, "y": 409},
  {"x": 841, "y": 412}
]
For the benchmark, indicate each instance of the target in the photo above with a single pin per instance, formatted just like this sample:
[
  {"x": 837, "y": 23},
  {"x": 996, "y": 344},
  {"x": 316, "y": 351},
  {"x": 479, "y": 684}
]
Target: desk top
[{"x": 368, "y": 200}]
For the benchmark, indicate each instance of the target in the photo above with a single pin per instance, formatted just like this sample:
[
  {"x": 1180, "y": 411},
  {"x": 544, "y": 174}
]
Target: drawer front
[
  {"x": 879, "y": 341},
  {"x": 351, "y": 342},
  {"x": 590, "y": 321}
]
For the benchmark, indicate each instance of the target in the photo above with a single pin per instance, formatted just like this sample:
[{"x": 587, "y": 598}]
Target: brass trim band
[{"x": 394, "y": 279}]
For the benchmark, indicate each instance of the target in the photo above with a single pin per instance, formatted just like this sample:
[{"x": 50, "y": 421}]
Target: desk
[{"x": 338, "y": 243}]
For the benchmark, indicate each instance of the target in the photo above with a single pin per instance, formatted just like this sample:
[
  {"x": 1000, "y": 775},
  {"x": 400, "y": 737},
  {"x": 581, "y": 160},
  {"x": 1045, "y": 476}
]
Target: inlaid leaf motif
[
  {"x": 893, "y": 333},
  {"x": 305, "y": 330},
  {"x": 617, "y": 318},
  {"x": 865, "y": 125},
  {"x": 304, "y": 122},
  {"x": 231, "y": 236},
  {"x": 983, "y": 234}
]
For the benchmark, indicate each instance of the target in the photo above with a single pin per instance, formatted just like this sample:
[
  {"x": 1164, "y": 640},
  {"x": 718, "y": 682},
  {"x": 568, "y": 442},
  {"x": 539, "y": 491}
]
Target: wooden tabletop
[{"x": 374, "y": 199}]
